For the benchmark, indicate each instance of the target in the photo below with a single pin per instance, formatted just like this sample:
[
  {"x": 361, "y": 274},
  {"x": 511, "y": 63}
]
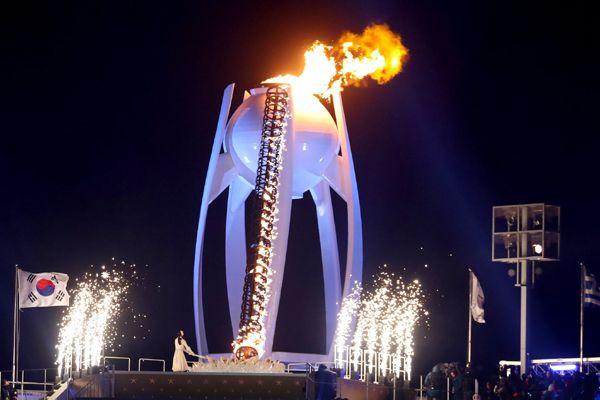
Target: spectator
[
  {"x": 434, "y": 382},
  {"x": 326, "y": 383},
  {"x": 590, "y": 387},
  {"x": 457, "y": 385},
  {"x": 468, "y": 384},
  {"x": 548, "y": 379},
  {"x": 515, "y": 387},
  {"x": 534, "y": 390},
  {"x": 488, "y": 392},
  {"x": 500, "y": 389},
  {"x": 8, "y": 391}
]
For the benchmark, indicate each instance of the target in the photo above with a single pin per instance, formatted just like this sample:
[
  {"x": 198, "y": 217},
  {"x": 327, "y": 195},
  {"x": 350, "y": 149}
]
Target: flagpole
[
  {"x": 582, "y": 299},
  {"x": 469, "y": 314},
  {"x": 15, "y": 328}
]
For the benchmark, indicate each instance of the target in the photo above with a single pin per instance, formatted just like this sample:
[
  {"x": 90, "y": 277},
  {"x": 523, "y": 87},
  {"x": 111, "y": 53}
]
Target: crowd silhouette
[{"x": 470, "y": 384}]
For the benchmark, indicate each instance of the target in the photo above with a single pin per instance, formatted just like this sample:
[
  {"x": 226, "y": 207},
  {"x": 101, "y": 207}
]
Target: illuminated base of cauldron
[
  {"x": 246, "y": 353},
  {"x": 233, "y": 365}
]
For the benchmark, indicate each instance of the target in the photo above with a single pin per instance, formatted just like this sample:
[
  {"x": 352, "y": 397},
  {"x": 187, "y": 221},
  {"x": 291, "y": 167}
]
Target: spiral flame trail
[{"x": 251, "y": 335}]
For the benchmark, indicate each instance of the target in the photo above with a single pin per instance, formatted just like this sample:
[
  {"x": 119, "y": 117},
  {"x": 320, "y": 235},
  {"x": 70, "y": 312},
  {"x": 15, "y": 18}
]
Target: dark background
[{"x": 108, "y": 115}]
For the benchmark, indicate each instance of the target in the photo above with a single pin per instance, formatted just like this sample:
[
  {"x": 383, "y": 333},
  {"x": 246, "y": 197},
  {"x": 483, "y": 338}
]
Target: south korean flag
[{"x": 44, "y": 289}]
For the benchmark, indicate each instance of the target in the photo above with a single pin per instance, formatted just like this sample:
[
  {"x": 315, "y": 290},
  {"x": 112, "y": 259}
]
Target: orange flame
[{"x": 377, "y": 53}]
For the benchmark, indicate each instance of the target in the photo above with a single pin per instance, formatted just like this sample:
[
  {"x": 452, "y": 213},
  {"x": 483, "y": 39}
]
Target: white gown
[{"x": 179, "y": 361}]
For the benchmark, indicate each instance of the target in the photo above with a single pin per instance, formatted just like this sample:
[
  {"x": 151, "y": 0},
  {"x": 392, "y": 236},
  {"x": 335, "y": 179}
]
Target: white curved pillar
[
  {"x": 209, "y": 187},
  {"x": 235, "y": 248},
  {"x": 321, "y": 195}
]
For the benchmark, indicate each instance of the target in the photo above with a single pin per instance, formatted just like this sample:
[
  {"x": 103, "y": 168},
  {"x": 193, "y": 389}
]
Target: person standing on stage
[{"x": 181, "y": 347}]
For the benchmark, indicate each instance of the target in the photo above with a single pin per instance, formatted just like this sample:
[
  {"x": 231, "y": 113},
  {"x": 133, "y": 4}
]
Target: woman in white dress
[{"x": 181, "y": 347}]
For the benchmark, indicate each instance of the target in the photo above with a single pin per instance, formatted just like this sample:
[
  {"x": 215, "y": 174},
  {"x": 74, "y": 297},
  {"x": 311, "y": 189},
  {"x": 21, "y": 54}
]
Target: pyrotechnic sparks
[
  {"x": 89, "y": 325},
  {"x": 347, "y": 318},
  {"x": 377, "y": 53},
  {"x": 347, "y": 315},
  {"x": 386, "y": 317}
]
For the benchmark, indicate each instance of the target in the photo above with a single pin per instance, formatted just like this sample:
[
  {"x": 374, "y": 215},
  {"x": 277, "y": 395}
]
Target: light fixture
[
  {"x": 537, "y": 248},
  {"x": 563, "y": 367},
  {"x": 537, "y": 221},
  {"x": 511, "y": 221}
]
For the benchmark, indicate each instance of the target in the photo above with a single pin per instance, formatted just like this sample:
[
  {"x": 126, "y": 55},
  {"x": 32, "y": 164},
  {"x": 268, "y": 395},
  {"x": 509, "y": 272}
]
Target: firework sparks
[
  {"x": 386, "y": 317},
  {"x": 347, "y": 316},
  {"x": 89, "y": 325}
]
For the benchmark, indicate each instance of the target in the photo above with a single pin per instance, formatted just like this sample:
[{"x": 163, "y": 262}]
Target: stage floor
[
  {"x": 150, "y": 385},
  {"x": 196, "y": 385}
]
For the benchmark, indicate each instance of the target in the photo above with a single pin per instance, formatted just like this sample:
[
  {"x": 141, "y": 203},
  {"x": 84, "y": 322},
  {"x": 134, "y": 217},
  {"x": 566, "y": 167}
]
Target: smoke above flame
[{"x": 377, "y": 53}]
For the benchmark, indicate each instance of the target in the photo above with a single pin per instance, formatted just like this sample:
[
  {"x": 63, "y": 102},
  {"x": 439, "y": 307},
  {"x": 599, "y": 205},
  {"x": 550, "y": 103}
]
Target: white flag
[
  {"x": 477, "y": 300},
  {"x": 591, "y": 291},
  {"x": 44, "y": 289}
]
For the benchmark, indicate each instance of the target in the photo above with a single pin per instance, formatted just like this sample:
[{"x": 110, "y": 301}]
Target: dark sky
[{"x": 108, "y": 111}]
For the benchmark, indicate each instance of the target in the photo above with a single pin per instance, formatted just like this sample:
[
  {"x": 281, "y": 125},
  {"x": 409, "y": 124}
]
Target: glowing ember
[
  {"x": 89, "y": 325},
  {"x": 385, "y": 321},
  {"x": 377, "y": 53}
]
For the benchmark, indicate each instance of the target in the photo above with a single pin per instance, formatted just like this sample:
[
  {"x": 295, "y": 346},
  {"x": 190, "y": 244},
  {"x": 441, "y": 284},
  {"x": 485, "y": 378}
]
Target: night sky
[{"x": 108, "y": 112}]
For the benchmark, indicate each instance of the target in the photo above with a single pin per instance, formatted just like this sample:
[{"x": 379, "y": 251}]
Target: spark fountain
[
  {"x": 89, "y": 326},
  {"x": 280, "y": 143},
  {"x": 384, "y": 320}
]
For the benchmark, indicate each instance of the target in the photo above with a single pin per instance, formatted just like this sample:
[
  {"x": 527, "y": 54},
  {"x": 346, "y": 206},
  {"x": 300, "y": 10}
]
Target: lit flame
[{"x": 377, "y": 53}]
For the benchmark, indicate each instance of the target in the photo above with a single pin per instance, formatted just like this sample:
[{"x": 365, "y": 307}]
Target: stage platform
[
  {"x": 125, "y": 385},
  {"x": 149, "y": 385}
]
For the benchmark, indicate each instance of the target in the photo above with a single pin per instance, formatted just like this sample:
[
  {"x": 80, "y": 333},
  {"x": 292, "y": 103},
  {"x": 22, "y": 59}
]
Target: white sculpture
[{"x": 311, "y": 162}]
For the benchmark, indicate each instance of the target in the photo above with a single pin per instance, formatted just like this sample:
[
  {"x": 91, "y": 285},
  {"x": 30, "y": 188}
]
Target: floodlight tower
[{"x": 525, "y": 234}]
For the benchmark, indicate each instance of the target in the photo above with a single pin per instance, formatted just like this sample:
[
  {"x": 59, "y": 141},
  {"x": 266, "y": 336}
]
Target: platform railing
[
  {"x": 420, "y": 389},
  {"x": 151, "y": 360},
  {"x": 290, "y": 367},
  {"x": 34, "y": 382},
  {"x": 128, "y": 359}
]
